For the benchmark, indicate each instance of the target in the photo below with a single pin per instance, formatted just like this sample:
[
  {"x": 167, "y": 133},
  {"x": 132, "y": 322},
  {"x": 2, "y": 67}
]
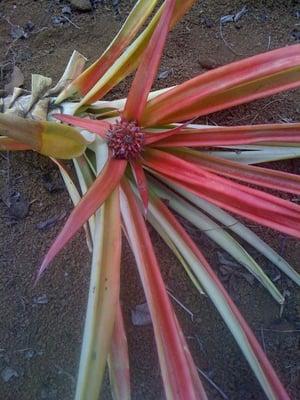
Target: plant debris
[
  {"x": 81, "y": 5},
  {"x": 18, "y": 206},
  {"x": 50, "y": 222},
  {"x": 208, "y": 63},
  {"x": 67, "y": 11},
  {"x": 229, "y": 272},
  {"x": 164, "y": 74},
  {"x": 207, "y": 22},
  {"x": 297, "y": 14},
  {"x": 140, "y": 315},
  {"x": 225, "y": 259},
  {"x": 17, "y": 32},
  {"x": 16, "y": 80},
  {"x": 52, "y": 182},
  {"x": 42, "y": 299},
  {"x": 234, "y": 17},
  {"x": 296, "y": 34},
  {"x": 9, "y": 373}
]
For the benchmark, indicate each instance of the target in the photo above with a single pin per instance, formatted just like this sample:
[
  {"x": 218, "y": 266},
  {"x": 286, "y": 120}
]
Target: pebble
[
  {"x": 140, "y": 315},
  {"x": 43, "y": 299},
  {"x": 82, "y": 5},
  {"x": 9, "y": 373},
  {"x": 208, "y": 63},
  {"x": 18, "y": 206}
]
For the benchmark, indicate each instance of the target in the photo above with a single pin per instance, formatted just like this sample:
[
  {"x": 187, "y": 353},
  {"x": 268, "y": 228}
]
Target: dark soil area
[{"x": 41, "y": 327}]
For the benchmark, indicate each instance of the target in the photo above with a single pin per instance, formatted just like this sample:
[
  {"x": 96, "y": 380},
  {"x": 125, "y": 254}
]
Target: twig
[
  {"x": 265, "y": 106},
  {"x": 282, "y": 246},
  {"x": 8, "y": 170},
  {"x": 281, "y": 331},
  {"x": 226, "y": 43},
  {"x": 219, "y": 390},
  {"x": 263, "y": 338},
  {"x": 72, "y": 23},
  {"x": 269, "y": 43},
  {"x": 182, "y": 305},
  {"x": 23, "y": 350},
  {"x": 198, "y": 341}
]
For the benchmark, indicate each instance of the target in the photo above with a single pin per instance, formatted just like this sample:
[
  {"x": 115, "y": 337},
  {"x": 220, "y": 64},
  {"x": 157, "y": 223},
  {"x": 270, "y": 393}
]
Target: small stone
[
  {"x": 66, "y": 11},
  {"x": 207, "y": 22},
  {"x": 58, "y": 20},
  {"x": 297, "y": 14},
  {"x": 17, "y": 32},
  {"x": 296, "y": 34},
  {"x": 18, "y": 205},
  {"x": 43, "y": 299},
  {"x": 82, "y": 5},
  {"x": 29, "y": 26},
  {"x": 163, "y": 74},
  {"x": 52, "y": 182},
  {"x": 208, "y": 63},
  {"x": 140, "y": 315},
  {"x": 29, "y": 354},
  {"x": 9, "y": 373}
]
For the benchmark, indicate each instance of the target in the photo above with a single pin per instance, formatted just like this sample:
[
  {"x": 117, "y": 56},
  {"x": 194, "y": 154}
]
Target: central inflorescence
[{"x": 125, "y": 140}]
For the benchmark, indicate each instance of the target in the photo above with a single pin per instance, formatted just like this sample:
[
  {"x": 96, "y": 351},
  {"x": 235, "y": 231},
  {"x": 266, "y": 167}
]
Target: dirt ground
[{"x": 41, "y": 327}]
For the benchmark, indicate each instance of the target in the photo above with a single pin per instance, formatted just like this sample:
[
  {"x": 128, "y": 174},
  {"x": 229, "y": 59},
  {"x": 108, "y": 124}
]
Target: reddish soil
[{"x": 41, "y": 329}]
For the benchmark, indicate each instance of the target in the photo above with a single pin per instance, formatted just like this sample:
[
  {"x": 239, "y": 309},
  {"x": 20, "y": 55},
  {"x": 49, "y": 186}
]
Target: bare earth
[{"x": 41, "y": 328}]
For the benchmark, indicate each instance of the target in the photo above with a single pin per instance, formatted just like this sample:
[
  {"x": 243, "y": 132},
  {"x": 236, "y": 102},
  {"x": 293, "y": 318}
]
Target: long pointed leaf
[
  {"x": 251, "y": 203},
  {"x": 103, "y": 299},
  {"x": 131, "y": 57},
  {"x": 221, "y": 237},
  {"x": 179, "y": 374},
  {"x": 224, "y": 87},
  {"x": 239, "y": 229},
  {"x": 222, "y": 301},
  {"x": 118, "y": 361},
  {"x": 265, "y": 177},
  {"x": 141, "y": 182},
  {"x": 234, "y": 135},
  {"x": 146, "y": 72},
  {"x": 93, "y": 199},
  {"x": 82, "y": 84},
  {"x": 254, "y": 154},
  {"x": 75, "y": 197},
  {"x": 161, "y": 136},
  {"x": 95, "y": 126},
  {"x": 156, "y": 225}
]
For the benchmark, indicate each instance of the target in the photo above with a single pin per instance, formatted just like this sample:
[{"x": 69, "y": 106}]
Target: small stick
[
  {"x": 226, "y": 43},
  {"x": 220, "y": 391},
  {"x": 72, "y": 23},
  {"x": 263, "y": 338},
  {"x": 23, "y": 350},
  {"x": 182, "y": 305},
  {"x": 265, "y": 106},
  {"x": 282, "y": 331},
  {"x": 269, "y": 43}
]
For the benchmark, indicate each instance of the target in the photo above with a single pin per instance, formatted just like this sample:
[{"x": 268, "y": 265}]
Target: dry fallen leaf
[{"x": 16, "y": 80}]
